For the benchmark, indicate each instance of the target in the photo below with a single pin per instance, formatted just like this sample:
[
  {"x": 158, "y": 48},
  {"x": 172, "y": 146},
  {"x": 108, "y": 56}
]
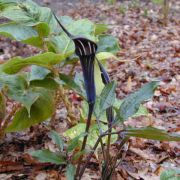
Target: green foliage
[
  {"x": 46, "y": 60},
  {"x": 122, "y": 9},
  {"x": 145, "y": 12},
  {"x": 58, "y": 140},
  {"x": 151, "y": 133},
  {"x": 106, "y": 99},
  {"x": 108, "y": 44},
  {"x": 75, "y": 84},
  {"x": 70, "y": 172},
  {"x": 17, "y": 89},
  {"x": 62, "y": 44},
  {"x": 111, "y": 1},
  {"x": 105, "y": 55},
  {"x": 75, "y": 140},
  {"x": 158, "y": 2},
  {"x": 41, "y": 110},
  {"x": 28, "y": 13},
  {"x": 48, "y": 156},
  {"x": 170, "y": 175},
  {"x": 100, "y": 28},
  {"x": 77, "y": 130},
  {"x": 38, "y": 73},
  {"x": 35, "y": 88},
  {"x": 17, "y": 31},
  {"x": 142, "y": 111},
  {"x": 131, "y": 104}
]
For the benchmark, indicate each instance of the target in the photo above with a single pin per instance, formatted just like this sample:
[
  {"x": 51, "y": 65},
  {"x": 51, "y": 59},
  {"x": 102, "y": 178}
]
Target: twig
[
  {"x": 73, "y": 67},
  {"x": 6, "y": 120},
  {"x": 72, "y": 117}
]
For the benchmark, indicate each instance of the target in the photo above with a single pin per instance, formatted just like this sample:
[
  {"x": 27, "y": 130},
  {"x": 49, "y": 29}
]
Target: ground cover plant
[{"x": 38, "y": 89}]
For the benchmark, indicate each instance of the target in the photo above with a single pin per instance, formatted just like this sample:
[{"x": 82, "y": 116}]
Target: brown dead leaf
[{"x": 142, "y": 154}]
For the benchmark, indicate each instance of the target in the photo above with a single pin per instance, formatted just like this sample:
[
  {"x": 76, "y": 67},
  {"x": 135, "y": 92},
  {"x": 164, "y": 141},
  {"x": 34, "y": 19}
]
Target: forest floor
[{"x": 151, "y": 51}]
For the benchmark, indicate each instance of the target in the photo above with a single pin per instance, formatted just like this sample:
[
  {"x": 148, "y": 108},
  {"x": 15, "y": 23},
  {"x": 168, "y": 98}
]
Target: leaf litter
[{"x": 151, "y": 51}]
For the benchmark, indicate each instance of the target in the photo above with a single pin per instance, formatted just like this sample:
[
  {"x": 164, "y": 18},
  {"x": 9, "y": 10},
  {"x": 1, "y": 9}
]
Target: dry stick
[
  {"x": 165, "y": 12},
  {"x": 7, "y": 119},
  {"x": 72, "y": 69},
  {"x": 72, "y": 117}
]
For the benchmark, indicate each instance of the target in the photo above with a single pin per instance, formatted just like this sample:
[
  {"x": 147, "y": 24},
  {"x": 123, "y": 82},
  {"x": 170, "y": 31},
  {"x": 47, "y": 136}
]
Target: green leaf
[
  {"x": 70, "y": 172},
  {"x": 47, "y": 83},
  {"x": 42, "y": 29},
  {"x": 17, "y": 31},
  {"x": 38, "y": 73},
  {"x": 27, "y": 97},
  {"x": 107, "y": 98},
  {"x": 41, "y": 110},
  {"x": 74, "y": 143},
  {"x": 100, "y": 28},
  {"x": 26, "y": 34},
  {"x": 22, "y": 12},
  {"x": 78, "y": 79},
  {"x": 108, "y": 44},
  {"x": 29, "y": 13},
  {"x": 48, "y": 156},
  {"x": 170, "y": 175},
  {"x": 98, "y": 80},
  {"x": 7, "y": 3},
  {"x": 142, "y": 111},
  {"x": 69, "y": 82},
  {"x": 2, "y": 106},
  {"x": 105, "y": 55},
  {"x": 87, "y": 31},
  {"x": 158, "y": 2},
  {"x": 63, "y": 45},
  {"x": 151, "y": 133},
  {"x": 46, "y": 60},
  {"x": 16, "y": 82},
  {"x": 16, "y": 88},
  {"x": 57, "y": 139},
  {"x": 34, "y": 41},
  {"x": 66, "y": 20},
  {"x": 93, "y": 134},
  {"x": 131, "y": 104}
]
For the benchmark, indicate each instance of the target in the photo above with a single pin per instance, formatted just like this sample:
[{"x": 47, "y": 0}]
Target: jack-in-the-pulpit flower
[{"x": 85, "y": 49}]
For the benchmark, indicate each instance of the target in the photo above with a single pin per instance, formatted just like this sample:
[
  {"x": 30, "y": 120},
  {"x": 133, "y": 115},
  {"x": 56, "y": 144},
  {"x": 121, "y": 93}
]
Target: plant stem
[
  {"x": 110, "y": 117},
  {"x": 93, "y": 150},
  {"x": 91, "y": 107},
  {"x": 102, "y": 145},
  {"x": 90, "y": 156}
]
